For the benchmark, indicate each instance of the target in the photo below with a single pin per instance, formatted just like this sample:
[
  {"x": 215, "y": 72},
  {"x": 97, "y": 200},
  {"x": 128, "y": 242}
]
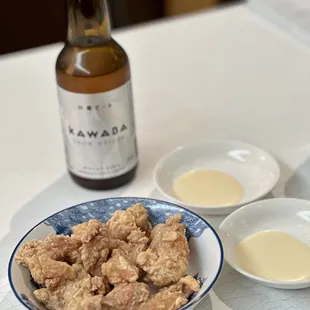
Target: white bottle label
[{"x": 99, "y": 132}]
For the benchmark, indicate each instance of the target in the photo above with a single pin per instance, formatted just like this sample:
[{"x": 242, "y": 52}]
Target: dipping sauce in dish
[
  {"x": 208, "y": 188},
  {"x": 274, "y": 255}
]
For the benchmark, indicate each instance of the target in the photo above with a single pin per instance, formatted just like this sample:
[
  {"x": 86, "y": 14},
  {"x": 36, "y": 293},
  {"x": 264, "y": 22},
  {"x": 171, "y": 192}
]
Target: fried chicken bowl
[{"x": 117, "y": 254}]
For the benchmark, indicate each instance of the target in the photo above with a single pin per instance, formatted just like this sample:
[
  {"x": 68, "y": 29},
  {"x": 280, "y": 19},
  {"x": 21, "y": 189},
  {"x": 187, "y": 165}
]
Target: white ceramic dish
[
  {"x": 255, "y": 169},
  {"x": 206, "y": 252},
  {"x": 281, "y": 214}
]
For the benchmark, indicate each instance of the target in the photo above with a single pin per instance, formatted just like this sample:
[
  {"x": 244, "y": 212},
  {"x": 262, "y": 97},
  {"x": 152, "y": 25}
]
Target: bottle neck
[{"x": 88, "y": 22}]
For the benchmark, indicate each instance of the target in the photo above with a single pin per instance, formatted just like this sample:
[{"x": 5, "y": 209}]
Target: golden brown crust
[
  {"x": 166, "y": 259},
  {"x": 44, "y": 258},
  {"x": 119, "y": 269},
  {"x": 127, "y": 296},
  {"x": 123, "y": 222},
  {"x": 172, "y": 297},
  {"x": 98, "y": 266}
]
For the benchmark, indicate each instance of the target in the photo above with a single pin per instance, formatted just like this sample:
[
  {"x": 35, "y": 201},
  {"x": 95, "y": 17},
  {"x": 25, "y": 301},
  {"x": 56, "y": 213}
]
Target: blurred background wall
[{"x": 32, "y": 23}]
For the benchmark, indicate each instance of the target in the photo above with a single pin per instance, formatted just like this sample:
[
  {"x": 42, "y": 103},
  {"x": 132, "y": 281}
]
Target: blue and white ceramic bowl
[{"x": 206, "y": 252}]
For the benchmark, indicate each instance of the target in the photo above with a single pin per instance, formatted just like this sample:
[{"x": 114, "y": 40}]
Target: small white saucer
[
  {"x": 255, "y": 169},
  {"x": 281, "y": 214}
]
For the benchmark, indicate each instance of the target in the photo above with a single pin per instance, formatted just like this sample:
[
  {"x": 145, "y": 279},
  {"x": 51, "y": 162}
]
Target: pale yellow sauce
[
  {"x": 274, "y": 255},
  {"x": 208, "y": 188}
]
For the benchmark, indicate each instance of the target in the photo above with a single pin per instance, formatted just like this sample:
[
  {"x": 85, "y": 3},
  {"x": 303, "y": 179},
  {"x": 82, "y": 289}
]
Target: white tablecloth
[{"x": 215, "y": 75}]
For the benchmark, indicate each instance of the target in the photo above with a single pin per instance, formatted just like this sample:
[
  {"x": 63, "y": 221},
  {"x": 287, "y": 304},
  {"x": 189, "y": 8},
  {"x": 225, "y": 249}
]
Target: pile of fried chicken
[{"x": 112, "y": 266}]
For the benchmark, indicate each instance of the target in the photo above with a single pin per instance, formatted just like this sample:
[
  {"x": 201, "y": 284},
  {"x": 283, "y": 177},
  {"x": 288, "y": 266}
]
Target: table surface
[
  {"x": 216, "y": 75},
  {"x": 292, "y": 16}
]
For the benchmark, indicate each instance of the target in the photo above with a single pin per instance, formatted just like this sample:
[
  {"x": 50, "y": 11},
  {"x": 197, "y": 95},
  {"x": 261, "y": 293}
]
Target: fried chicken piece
[
  {"x": 141, "y": 216},
  {"x": 73, "y": 257},
  {"x": 172, "y": 297},
  {"x": 166, "y": 259},
  {"x": 44, "y": 258},
  {"x": 96, "y": 270},
  {"x": 100, "y": 285},
  {"x": 94, "y": 250},
  {"x": 93, "y": 233},
  {"x": 189, "y": 285},
  {"x": 51, "y": 300},
  {"x": 123, "y": 222},
  {"x": 93, "y": 303},
  {"x": 126, "y": 296},
  {"x": 54, "y": 270},
  {"x": 137, "y": 242},
  {"x": 119, "y": 268},
  {"x": 87, "y": 230},
  {"x": 126, "y": 253},
  {"x": 86, "y": 284},
  {"x": 73, "y": 294}
]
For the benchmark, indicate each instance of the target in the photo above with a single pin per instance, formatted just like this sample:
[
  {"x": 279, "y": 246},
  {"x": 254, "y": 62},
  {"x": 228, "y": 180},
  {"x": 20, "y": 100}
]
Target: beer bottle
[{"x": 95, "y": 96}]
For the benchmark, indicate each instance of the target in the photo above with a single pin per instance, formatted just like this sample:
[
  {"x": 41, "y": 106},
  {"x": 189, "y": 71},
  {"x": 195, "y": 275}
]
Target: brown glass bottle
[{"x": 94, "y": 88}]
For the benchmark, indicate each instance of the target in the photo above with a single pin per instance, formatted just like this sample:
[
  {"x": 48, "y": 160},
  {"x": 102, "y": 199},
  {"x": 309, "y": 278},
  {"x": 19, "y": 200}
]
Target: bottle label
[{"x": 99, "y": 132}]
